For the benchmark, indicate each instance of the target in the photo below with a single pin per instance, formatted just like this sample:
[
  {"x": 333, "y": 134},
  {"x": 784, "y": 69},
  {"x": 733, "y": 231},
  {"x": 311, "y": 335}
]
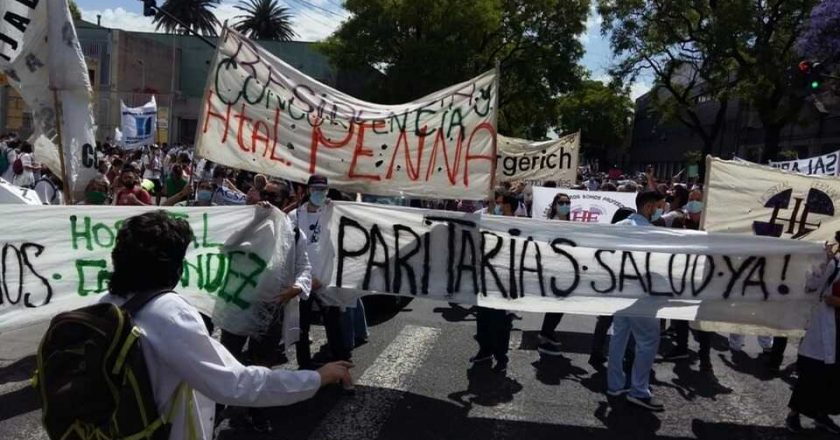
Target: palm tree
[
  {"x": 197, "y": 14},
  {"x": 264, "y": 20}
]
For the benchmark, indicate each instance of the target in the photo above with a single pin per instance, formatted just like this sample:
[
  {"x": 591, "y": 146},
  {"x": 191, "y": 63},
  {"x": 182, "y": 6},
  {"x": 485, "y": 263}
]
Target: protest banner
[
  {"x": 15, "y": 195},
  {"x": 587, "y": 206},
  {"x": 555, "y": 160},
  {"x": 139, "y": 125},
  {"x": 827, "y": 165},
  {"x": 41, "y": 56},
  {"x": 58, "y": 258},
  {"x": 747, "y": 198},
  {"x": 545, "y": 266},
  {"x": 260, "y": 114}
]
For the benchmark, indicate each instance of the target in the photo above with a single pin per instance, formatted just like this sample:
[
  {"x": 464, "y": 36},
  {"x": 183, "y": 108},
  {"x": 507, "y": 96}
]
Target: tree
[
  {"x": 738, "y": 48},
  {"x": 74, "y": 10},
  {"x": 264, "y": 20},
  {"x": 820, "y": 39},
  {"x": 197, "y": 14},
  {"x": 681, "y": 44},
  {"x": 763, "y": 47},
  {"x": 602, "y": 114},
  {"x": 425, "y": 46}
]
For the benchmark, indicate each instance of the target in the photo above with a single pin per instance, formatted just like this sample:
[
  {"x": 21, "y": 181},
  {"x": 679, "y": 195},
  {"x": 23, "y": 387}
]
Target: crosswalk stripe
[{"x": 380, "y": 387}]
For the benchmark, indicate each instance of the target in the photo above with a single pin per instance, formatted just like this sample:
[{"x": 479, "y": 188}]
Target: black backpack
[{"x": 92, "y": 378}]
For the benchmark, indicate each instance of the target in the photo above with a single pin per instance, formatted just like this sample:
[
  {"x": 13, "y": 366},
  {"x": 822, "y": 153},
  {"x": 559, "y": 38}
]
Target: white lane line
[{"x": 379, "y": 388}]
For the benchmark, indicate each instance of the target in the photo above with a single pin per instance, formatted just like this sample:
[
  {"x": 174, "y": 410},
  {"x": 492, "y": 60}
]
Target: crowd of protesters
[{"x": 173, "y": 176}]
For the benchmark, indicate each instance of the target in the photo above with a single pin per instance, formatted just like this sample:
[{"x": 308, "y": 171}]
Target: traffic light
[
  {"x": 149, "y": 8},
  {"x": 811, "y": 74}
]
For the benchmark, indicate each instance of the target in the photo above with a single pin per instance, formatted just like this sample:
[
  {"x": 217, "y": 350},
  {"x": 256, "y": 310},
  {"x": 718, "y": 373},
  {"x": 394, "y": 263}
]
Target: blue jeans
[
  {"x": 646, "y": 333},
  {"x": 354, "y": 325}
]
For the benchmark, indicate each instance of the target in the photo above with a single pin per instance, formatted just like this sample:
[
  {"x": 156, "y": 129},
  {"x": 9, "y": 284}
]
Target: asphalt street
[{"x": 414, "y": 382}]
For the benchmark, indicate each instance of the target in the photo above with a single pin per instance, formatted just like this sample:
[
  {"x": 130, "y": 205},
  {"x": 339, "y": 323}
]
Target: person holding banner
[
  {"x": 310, "y": 218},
  {"x": 177, "y": 348},
  {"x": 492, "y": 325},
  {"x": 645, "y": 331},
  {"x": 560, "y": 208},
  {"x": 816, "y": 393}
]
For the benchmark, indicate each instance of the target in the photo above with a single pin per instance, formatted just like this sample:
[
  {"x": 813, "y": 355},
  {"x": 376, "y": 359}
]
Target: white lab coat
[
  {"x": 820, "y": 339},
  {"x": 178, "y": 349}
]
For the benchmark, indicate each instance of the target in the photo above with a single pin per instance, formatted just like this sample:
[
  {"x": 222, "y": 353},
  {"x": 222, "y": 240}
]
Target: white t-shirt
[
  {"x": 48, "y": 192},
  {"x": 177, "y": 349},
  {"x": 153, "y": 166},
  {"x": 315, "y": 230},
  {"x": 27, "y": 177}
]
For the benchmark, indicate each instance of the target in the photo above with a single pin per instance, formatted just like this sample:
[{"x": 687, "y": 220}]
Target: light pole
[{"x": 143, "y": 75}]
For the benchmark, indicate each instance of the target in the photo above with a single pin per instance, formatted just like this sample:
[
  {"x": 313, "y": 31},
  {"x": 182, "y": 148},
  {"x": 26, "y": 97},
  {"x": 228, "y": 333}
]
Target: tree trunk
[{"x": 772, "y": 136}]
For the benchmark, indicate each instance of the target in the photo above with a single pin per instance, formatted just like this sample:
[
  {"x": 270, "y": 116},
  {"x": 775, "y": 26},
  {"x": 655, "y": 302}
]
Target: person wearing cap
[{"x": 309, "y": 218}]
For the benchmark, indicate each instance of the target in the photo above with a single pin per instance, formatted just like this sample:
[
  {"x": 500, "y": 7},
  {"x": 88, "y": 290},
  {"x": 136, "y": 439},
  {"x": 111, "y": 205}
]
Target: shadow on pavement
[
  {"x": 456, "y": 313},
  {"x": 23, "y": 400}
]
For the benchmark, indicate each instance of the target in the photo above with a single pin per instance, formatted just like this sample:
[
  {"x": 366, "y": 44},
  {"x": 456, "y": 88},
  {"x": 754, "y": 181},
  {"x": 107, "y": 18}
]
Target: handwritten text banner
[{"x": 261, "y": 114}]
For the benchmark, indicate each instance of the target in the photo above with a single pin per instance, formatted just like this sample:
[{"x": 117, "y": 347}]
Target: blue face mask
[
  {"x": 497, "y": 210},
  {"x": 203, "y": 195},
  {"x": 656, "y": 215},
  {"x": 317, "y": 198},
  {"x": 694, "y": 207},
  {"x": 563, "y": 209}
]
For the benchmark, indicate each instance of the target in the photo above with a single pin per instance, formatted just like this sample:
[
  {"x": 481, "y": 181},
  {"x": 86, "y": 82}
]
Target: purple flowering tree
[{"x": 821, "y": 37}]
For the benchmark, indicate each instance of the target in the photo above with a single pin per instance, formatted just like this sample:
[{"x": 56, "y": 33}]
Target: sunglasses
[{"x": 564, "y": 203}]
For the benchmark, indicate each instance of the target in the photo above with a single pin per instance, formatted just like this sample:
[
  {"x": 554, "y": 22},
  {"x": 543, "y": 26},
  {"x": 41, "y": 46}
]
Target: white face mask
[{"x": 656, "y": 215}]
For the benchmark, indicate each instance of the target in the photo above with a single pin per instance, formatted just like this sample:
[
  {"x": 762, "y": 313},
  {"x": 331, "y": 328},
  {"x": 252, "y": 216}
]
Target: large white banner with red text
[{"x": 263, "y": 115}]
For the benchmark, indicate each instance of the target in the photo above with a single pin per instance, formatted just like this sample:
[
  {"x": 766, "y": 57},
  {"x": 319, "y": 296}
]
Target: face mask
[
  {"x": 694, "y": 207},
  {"x": 656, "y": 215},
  {"x": 497, "y": 210},
  {"x": 318, "y": 198},
  {"x": 563, "y": 209},
  {"x": 203, "y": 195}
]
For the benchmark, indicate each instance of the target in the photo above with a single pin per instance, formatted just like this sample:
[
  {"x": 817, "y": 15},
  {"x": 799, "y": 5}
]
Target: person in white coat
[
  {"x": 189, "y": 370},
  {"x": 817, "y": 391}
]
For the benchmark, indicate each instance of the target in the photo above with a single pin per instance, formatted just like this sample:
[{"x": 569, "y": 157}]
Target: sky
[{"x": 316, "y": 19}]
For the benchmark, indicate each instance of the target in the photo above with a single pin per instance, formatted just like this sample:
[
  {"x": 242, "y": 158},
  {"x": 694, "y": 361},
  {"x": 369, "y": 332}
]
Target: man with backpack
[{"x": 162, "y": 366}]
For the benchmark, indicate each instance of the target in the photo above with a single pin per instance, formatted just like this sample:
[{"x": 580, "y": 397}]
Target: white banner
[
  {"x": 15, "y": 195},
  {"x": 545, "y": 266},
  {"x": 58, "y": 258},
  {"x": 521, "y": 159},
  {"x": 587, "y": 206},
  {"x": 139, "y": 125},
  {"x": 747, "y": 198},
  {"x": 262, "y": 115},
  {"x": 827, "y": 165},
  {"x": 39, "y": 53}
]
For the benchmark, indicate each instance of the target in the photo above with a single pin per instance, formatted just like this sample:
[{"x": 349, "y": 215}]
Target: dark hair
[
  {"x": 608, "y": 186},
  {"x": 550, "y": 184},
  {"x": 681, "y": 196},
  {"x": 509, "y": 198},
  {"x": 220, "y": 172},
  {"x": 26, "y": 147},
  {"x": 149, "y": 253},
  {"x": 648, "y": 196},
  {"x": 622, "y": 214}
]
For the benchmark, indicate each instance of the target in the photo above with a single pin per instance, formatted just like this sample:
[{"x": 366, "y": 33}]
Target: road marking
[{"x": 379, "y": 388}]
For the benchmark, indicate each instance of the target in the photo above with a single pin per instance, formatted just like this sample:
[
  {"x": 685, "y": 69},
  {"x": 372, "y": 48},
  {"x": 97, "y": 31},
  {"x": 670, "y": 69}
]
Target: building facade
[
  {"x": 131, "y": 67},
  {"x": 664, "y": 144}
]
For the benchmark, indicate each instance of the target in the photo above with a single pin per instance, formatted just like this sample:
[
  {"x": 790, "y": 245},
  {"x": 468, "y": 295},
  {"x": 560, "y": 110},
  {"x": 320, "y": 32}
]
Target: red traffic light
[{"x": 805, "y": 67}]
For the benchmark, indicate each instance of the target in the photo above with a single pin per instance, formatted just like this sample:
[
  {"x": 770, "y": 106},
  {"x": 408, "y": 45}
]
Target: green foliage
[
  {"x": 693, "y": 157},
  {"x": 788, "y": 155},
  {"x": 75, "y": 13},
  {"x": 602, "y": 113},
  {"x": 714, "y": 50},
  {"x": 264, "y": 20},
  {"x": 198, "y": 14},
  {"x": 425, "y": 46}
]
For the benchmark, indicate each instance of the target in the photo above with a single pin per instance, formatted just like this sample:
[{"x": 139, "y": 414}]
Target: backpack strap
[{"x": 139, "y": 300}]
